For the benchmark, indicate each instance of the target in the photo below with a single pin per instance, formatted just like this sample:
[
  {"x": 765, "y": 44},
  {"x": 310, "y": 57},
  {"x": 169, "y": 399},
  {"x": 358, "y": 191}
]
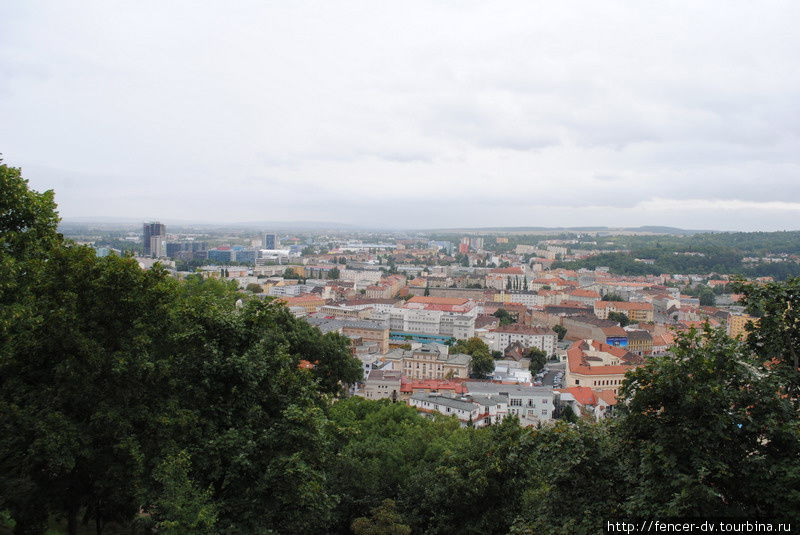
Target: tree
[
  {"x": 708, "y": 431},
  {"x": 254, "y": 287},
  {"x": 561, "y": 331},
  {"x": 334, "y": 274},
  {"x": 505, "y": 317},
  {"x": 619, "y": 317},
  {"x": 613, "y": 297},
  {"x": 567, "y": 414},
  {"x": 775, "y": 334},
  {"x": 469, "y": 346},
  {"x": 538, "y": 359},
  {"x": 385, "y": 520},
  {"x": 179, "y": 506},
  {"x": 290, "y": 273}
]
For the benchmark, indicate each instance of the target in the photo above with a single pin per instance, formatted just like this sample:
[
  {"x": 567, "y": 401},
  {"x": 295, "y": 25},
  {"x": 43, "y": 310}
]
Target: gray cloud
[{"x": 414, "y": 114}]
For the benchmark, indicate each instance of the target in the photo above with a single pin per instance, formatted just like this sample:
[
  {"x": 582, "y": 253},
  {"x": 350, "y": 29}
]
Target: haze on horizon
[{"x": 408, "y": 115}]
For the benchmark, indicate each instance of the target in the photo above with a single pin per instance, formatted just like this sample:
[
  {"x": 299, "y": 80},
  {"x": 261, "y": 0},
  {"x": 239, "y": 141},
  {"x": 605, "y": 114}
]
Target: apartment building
[
  {"x": 429, "y": 361},
  {"x": 598, "y": 366},
  {"x": 636, "y": 311},
  {"x": 542, "y": 338}
]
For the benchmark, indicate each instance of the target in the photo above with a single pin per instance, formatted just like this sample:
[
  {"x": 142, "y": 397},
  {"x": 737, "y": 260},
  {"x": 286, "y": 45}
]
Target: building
[
  {"x": 429, "y": 361},
  {"x": 542, "y": 338},
  {"x": 640, "y": 342},
  {"x": 221, "y": 254},
  {"x": 382, "y": 384},
  {"x": 271, "y": 242},
  {"x": 476, "y": 410},
  {"x": 149, "y": 230},
  {"x": 531, "y": 404},
  {"x": 736, "y": 325},
  {"x": 433, "y": 319},
  {"x": 636, "y": 312},
  {"x": 598, "y": 366}
]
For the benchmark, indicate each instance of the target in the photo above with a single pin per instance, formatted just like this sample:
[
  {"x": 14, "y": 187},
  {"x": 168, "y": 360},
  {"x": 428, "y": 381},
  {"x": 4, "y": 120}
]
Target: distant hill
[{"x": 591, "y": 230}]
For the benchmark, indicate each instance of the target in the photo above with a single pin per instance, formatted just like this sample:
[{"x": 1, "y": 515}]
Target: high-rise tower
[{"x": 154, "y": 233}]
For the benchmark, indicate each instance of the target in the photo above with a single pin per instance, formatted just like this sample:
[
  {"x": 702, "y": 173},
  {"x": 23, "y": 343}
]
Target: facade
[
  {"x": 429, "y": 361},
  {"x": 368, "y": 332},
  {"x": 148, "y": 231},
  {"x": 531, "y": 404},
  {"x": 434, "y": 318},
  {"x": 480, "y": 411},
  {"x": 542, "y": 338},
  {"x": 271, "y": 241},
  {"x": 640, "y": 342},
  {"x": 220, "y": 255},
  {"x": 382, "y": 384},
  {"x": 736, "y": 325},
  {"x": 636, "y": 312},
  {"x": 598, "y": 366}
]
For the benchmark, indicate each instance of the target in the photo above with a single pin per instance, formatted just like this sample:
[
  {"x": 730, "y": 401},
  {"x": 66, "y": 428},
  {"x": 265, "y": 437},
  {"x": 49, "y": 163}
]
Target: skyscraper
[
  {"x": 150, "y": 230},
  {"x": 271, "y": 241}
]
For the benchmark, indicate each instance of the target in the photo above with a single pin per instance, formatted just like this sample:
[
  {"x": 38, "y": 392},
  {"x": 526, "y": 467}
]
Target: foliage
[
  {"x": 482, "y": 362},
  {"x": 538, "y": 359},
  {"x": 180, "y": 507},
  {"x": 254, "y": 287},
  {"x": 334, "y": 274},
  {"x": 619, "y": 317},
  {"x": 504, "y": 315},
  {"x": 561, "y": 331},
  {"x": 384, "y": 520},
  {"x": 708, "y": 432},
  {"x": 775, "y": 335},
  {"x": 613, "y": 297}
]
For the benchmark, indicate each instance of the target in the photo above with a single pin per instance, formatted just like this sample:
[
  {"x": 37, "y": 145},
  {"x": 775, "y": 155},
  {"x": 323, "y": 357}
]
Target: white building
[
  {"x": 542, "y": 338},
  {"x": 531, "y": 404}
]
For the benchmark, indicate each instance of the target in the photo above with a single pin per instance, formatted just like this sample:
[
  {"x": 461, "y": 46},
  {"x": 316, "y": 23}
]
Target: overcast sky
[{"x": 408, "y": 114}]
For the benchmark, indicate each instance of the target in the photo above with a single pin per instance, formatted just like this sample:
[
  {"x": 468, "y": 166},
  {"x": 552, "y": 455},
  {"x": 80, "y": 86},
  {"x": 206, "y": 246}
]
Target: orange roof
[
  {"x": 608, "y": 396},
  {"x": 576, "y": 359},
  {"x": 584, "y": 293},
  {"x": 582, "y": 394},
  {"x": 431, "y": 384}
]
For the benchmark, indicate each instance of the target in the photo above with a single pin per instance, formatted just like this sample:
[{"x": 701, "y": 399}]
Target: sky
[{"x": 408, "y": 114}]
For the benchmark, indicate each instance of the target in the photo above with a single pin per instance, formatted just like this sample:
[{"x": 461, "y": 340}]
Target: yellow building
[{"x": 736, "y": 325}]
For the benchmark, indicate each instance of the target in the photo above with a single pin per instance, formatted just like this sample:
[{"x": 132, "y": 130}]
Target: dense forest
[{"x": 131, "y": 402}]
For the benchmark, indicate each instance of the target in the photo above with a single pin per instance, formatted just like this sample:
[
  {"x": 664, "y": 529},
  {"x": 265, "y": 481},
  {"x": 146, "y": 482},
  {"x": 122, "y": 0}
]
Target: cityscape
[
  {"x": 399, "y": 268},
  {"x": 561, "y": 337}
]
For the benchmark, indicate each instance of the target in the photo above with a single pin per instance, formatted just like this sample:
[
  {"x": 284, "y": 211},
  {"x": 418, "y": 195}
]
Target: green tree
[
  {"x": 385, "y": 520},
  {"x": 619, "y": 317},
  {"x": 613, "y": 297},
  {"x": 561, "y": 331},
  {"x": 775, "y": 334},
  {"x": 505, "y": 317},
  {"x": 254, "y": 288},
  {"x": 708, "y": 431},
  {"x": 179, "y": 506},
  {"x": 538, "y": 359},
  {"x": 334, "y": 274}
]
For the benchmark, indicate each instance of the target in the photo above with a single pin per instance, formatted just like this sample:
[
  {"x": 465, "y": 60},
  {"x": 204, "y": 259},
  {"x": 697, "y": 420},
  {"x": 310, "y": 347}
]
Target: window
[{"x": 544, "y": 412}]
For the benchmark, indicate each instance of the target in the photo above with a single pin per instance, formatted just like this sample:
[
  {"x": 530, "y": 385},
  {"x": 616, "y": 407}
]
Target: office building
[
  {"x": 271, "y": 241},
  {"x": 149, "y": 231}
]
